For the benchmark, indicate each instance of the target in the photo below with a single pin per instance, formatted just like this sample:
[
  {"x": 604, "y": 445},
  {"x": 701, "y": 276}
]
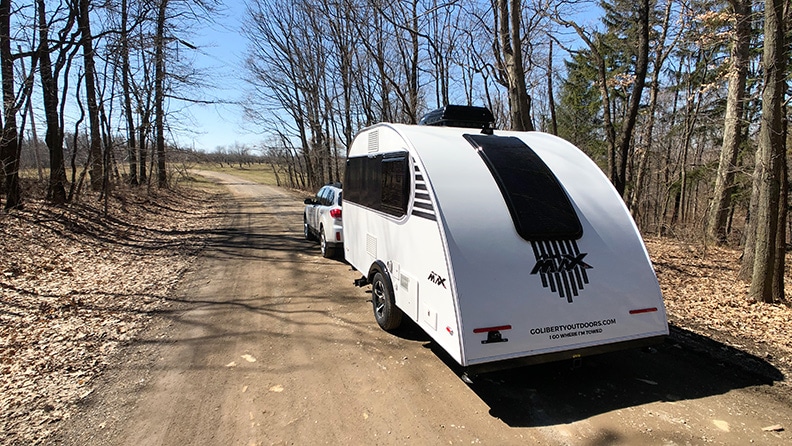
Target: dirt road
[{"x": 270, "y": 344}]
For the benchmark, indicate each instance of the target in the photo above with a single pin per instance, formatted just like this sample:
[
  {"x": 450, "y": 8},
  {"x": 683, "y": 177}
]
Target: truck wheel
[
  {"x": 386, "y": 312},
  {"x": 306, "y": 229},
  {"x": 327, "y": 251}
]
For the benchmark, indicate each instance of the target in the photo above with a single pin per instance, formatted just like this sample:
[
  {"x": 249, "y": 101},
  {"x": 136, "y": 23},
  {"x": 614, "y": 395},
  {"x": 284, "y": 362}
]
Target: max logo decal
[
  {"x": 560, "y": 265},
  {"x": 436, "y": 279}
]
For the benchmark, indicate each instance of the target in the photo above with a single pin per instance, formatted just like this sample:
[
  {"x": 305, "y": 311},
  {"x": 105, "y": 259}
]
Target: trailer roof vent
[{"x": 460, "y": 116}]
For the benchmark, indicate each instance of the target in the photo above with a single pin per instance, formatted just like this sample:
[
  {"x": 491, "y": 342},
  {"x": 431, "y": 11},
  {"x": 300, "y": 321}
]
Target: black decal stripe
[
  {"x": 542, "y": 275},
  {"x": 425, "y": 215},
  {"x": 422, "y": 196},
  {"x": 577, "y": 270},
  {"x": 573, "y": 282},
  {"x": 564, "y": 279},
  {"x": 583, "y": 273},
  {"x": 555, "y": 275},
  {"x": 421, "y": 205},
  {"x": 550, "y": 277}
]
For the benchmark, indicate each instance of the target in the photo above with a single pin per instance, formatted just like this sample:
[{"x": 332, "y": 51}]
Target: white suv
[{"x": 322, "y": 219}]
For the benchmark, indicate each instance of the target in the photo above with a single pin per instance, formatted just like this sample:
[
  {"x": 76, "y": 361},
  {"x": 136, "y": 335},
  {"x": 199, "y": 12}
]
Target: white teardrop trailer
[{"x": 507, "y": 248}]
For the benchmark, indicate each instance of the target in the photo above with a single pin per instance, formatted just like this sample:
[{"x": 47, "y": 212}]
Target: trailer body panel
[{"x": 484, "y": 286}]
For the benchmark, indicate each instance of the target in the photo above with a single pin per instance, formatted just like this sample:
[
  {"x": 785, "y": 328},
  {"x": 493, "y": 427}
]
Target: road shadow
[
  {"x": 410, "y": 331},
  {"x": 686, "y": 366}
]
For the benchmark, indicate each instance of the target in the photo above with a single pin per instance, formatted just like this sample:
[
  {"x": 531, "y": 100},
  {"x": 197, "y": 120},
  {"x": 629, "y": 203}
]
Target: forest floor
[{"x": 76, "y": 285}]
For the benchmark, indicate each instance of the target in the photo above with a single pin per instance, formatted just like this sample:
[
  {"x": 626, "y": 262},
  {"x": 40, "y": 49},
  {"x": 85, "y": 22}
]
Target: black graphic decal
[
  {"x": 561, "y": 267},
  {"x": 436, "y": 279}
]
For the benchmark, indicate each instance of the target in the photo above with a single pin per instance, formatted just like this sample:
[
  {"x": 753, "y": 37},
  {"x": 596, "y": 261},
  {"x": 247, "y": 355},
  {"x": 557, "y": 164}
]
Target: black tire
[
  {"x": 387, "y": 314},
  {"x": 307, "y": 230},
  {"x": 327, "y": 251}
]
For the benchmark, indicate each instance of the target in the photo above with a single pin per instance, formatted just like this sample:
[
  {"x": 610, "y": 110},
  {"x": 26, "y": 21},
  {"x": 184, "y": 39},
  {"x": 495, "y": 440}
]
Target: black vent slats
[{"x": 422, "y": 201}]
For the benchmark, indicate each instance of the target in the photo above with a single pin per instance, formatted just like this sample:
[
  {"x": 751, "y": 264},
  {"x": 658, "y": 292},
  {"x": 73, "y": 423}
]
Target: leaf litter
[{"x": 75, "y": 285}]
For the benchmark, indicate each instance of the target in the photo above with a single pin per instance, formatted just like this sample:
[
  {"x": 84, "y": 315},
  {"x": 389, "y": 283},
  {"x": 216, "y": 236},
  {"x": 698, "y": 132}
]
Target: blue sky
[{"x": 221, "y": 52}]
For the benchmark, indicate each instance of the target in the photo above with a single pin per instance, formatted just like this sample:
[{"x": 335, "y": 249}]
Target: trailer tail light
[
  {"x": 489, "y": 329},
  {"x": 335, "y": 213},
  {"x": 644, "y": 310}
]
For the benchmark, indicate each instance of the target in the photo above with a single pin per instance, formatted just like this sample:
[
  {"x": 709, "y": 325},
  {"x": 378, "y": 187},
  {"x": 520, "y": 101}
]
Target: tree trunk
[
  {"x": 619, "y": 175},
  {"x": 661, "y": 53},
  {"x": 95, "y": 143},
  {"x": 509, "y": 15},
  {"x": 768, "y": 165},
  {"x": 550, "y": 98},
  {"x": 783, "y": 203},
  {"x": 159, "y": 94},
  {"x": 733, "y": 125},
  {"x": 9, "y": 143},
  {"x": 130, "y": 120},
  {"x": 412, "y": 113},
  {"x": 29, "y": 111},
  {"x": 56, "y": 190}
]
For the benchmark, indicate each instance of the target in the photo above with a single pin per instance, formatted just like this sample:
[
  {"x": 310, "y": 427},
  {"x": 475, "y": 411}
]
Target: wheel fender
[{"x": 380, "y": 266}]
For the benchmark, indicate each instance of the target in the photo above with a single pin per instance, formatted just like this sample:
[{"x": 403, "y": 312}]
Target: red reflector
[
  {"x": 489, "y": 329},
  {"x": 338, "y": 236},
  {"x": 644, "y": 310},
  {"x": 335, "y": 213}
]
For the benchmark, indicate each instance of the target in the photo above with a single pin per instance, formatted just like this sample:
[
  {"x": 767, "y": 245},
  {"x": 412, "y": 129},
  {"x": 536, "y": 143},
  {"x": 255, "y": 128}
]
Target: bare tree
[
  {"x": 509, "y": 55},
  {"x": 127, "y": 93},
  {"x": 95, "y": 149},
  {"x": 9, "y": 145},
  {"x": 662, "y": 50},
  {"x": 766, "y": 286},
  {"x": 49, "y": 73},
  {"x": 733, "y": 122},
  {"x": 159, "y": 92},
  {"x": 620, "y": 142}
]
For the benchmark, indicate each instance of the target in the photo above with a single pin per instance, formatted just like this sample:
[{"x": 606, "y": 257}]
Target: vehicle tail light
[{"x": 335, "y": 213}]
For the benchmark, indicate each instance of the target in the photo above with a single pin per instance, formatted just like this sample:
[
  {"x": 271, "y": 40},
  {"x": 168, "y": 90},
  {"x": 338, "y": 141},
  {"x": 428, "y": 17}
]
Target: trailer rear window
[
  {"x": 539, "y": 206},
  {"x": 379, "y": 182}
]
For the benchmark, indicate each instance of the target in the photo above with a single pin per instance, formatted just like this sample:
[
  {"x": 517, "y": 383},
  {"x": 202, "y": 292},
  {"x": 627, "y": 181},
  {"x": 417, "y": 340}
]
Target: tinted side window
[
  {"x": 395, "y": 185},
  {"x": 379, "y": 182}
]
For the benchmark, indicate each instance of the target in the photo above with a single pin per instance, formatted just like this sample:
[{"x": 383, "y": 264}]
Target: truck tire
[
  {"x": 327, "y": 251},
  {"x": 387, "y": 314},
  {"x": 307, "y": 229}
]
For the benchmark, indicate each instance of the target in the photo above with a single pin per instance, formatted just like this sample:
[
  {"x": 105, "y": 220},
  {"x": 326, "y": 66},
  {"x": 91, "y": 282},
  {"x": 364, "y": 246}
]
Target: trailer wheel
[
  {"x": 327, "y": 251},
  {"x": 386, "y": 312}
]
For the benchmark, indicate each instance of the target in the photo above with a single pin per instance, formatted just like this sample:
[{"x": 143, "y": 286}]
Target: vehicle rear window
[{"x": 538, "y": 203}]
